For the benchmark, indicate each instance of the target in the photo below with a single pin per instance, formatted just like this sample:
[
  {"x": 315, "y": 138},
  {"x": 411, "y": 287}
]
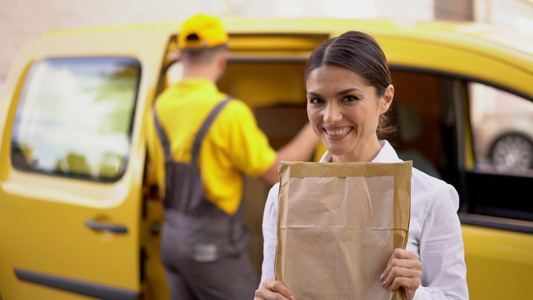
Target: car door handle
[{"x": 115, "y": 228}]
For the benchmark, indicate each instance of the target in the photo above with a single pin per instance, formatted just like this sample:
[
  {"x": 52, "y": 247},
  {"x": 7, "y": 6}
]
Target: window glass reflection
[
  {"x": 502, "y": 125},
  {"x": 74, "y": 117}
]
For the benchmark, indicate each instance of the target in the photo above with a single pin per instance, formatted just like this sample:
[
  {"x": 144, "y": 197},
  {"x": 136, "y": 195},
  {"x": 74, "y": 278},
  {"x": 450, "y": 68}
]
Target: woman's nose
[{"x": 332, "y": 114}]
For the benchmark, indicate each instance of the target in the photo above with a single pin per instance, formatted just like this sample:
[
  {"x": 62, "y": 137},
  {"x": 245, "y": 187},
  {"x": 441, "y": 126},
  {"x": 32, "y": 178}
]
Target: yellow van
[{"x": 78, "y": 212}]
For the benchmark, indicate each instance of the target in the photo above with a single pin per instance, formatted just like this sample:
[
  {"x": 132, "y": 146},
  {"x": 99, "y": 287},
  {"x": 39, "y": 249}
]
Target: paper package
[{"x": 338, "y": 224}]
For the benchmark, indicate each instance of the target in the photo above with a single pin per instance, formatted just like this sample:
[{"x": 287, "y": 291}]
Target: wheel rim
[{"x": 512, "y": 152}]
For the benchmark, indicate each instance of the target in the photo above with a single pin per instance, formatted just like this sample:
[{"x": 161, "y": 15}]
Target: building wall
[
  {"x": 512, "y": 14},
  {"x": 460, "y": 10}
]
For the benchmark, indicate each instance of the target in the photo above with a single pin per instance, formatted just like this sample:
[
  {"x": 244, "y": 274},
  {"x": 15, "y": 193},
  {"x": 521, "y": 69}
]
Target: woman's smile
[{"x": 336, "y": 133}]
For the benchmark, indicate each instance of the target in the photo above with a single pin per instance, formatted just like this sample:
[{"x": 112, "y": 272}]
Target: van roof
[{"x": 427, "y": 30}]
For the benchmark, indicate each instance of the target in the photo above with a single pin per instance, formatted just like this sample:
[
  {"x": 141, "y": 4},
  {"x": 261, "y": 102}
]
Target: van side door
[{"x": 71, "y": 165}]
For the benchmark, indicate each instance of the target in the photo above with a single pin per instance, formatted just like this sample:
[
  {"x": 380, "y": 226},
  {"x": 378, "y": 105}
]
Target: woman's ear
[{"x": 387, "y": 98}]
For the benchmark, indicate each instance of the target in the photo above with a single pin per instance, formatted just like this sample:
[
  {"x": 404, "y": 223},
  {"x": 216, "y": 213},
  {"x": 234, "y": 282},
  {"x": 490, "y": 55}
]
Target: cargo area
[
  {"x": 276, "y": 94},
  {"x": 271, "y": 82}
]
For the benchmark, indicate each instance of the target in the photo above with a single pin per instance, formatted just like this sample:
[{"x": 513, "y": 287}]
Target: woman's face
[{"x": 344, "y": 111}]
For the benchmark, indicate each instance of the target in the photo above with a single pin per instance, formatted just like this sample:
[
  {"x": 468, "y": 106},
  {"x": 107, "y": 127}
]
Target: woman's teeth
[{"x": 338, "y": 132}]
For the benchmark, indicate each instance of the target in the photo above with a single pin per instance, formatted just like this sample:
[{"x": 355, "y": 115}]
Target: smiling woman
[{"x": 348, "y": 91}]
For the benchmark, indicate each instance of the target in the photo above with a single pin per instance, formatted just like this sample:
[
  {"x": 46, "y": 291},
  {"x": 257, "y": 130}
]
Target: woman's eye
[
  {"x": 350, "y": 98},
  {"x": 315, "y": 101}
]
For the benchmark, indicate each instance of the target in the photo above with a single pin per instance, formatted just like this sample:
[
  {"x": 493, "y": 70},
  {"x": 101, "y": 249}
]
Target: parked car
[
  {"x": 78, "y": 212},
  {"x": 503, "y": 130}
]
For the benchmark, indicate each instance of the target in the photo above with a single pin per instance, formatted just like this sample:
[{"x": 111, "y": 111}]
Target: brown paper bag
[{"x": 338, "y": 224}]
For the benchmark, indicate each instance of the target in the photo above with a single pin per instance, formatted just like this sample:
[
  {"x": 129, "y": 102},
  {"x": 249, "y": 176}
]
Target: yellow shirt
[{"x": 233, "y": 144}]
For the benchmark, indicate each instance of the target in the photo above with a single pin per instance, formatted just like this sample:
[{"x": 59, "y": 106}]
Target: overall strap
[
  {"x": 205, "y": 126},
  {"x": 199, "y": 136},
  {"x": 162, "y": 136}
]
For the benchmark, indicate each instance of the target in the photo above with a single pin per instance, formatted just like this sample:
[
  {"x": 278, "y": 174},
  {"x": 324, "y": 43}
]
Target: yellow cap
[{"x": 202, "y": 31}]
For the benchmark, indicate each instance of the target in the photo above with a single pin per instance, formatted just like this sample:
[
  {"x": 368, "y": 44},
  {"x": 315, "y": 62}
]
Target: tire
[{"x": 512, "y": 152}]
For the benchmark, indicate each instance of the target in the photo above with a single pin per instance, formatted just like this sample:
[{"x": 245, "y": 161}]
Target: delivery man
[{"x": 200, "y": 142}]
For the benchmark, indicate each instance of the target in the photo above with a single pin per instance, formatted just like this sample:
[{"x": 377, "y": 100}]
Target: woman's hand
[
  {"x": 404, "y": 270},
  {"x": 275, "y": 290}
]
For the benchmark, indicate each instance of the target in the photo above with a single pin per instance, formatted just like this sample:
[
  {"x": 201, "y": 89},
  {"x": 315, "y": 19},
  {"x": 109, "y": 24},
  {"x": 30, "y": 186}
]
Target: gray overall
[{"x": 202, "y": 248}]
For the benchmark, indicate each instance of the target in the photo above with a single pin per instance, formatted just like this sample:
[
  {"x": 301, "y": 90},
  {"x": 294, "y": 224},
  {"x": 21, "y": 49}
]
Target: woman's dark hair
[{"x": 361, "y": 54}]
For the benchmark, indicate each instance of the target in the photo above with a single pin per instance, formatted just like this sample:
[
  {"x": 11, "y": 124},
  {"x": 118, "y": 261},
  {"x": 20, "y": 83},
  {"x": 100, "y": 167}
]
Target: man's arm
[{"x": 300, "y": 148}]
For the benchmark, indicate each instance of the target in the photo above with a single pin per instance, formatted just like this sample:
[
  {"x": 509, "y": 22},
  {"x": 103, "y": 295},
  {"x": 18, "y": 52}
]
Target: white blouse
[{"x": 434, "y": 233}]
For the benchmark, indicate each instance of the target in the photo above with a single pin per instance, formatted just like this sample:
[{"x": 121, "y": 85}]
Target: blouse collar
[{"x": 387, "y": 154}]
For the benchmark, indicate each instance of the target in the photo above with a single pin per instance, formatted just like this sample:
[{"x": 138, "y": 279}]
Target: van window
[
  {"x": 74, "y": 117},
  {"x": 502, "y": 137},
  {"x": 502, "y": 129}
]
